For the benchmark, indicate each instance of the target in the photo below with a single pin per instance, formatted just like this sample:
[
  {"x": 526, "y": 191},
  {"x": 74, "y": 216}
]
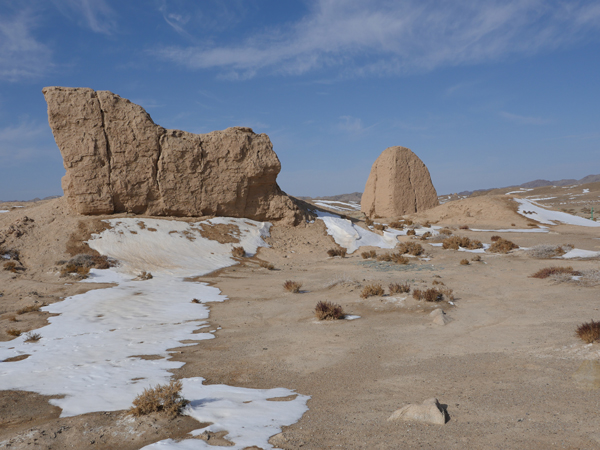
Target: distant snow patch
[
  {"x": 352, "y": 237},
  {"x": 533, "y": 211}
]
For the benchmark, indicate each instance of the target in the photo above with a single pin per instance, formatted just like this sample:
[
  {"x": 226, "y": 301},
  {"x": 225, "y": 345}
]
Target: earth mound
[
  {"x": 118, "y": 160},
  {"x": 399, "y": 183}
]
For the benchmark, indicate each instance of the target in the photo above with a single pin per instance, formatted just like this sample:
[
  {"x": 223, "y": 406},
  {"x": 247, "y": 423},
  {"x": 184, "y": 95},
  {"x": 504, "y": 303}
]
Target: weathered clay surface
[
  {"x": 399, "y": 183},
  {"x": 118, "y": 160}
]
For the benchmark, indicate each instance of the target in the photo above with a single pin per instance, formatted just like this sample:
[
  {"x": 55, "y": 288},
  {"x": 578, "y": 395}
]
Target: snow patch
[
  {"x": 533, "y": 211},
  {"x": 352, "y": 237}
]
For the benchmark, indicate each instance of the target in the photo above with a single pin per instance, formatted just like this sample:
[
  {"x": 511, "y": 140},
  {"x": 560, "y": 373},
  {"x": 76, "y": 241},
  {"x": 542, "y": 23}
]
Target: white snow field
[
  {"x": 550, "y": 217},
  {"x": 580, "y": 253},
  {"x": 337, "y": 205},
  {"x": 516, "y": 230},
  {"x": 90, "y": 353}
]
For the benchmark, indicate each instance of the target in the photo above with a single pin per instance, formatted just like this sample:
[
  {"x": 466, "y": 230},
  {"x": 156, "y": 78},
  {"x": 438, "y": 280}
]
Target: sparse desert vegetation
[
  {"x": 238, "y": 252},
  {"x": 163, "y": 399},
  {"x": 266, "y": 265},
  {"x": 32, "y": 337},
  {"x": 588, "y": 332},
  {"x": 393, "y": 257},
  {"x": 326, "y": 310},
  {"x": 547, "y": 272},
  {"x": 464, "y": 262},
  {"x": 455, "y": 242},
  {"x": 369, "y": 254},
  {"x": 292, "y": 286},
  {"x": 372, "y": 290},
  {"x": 545, "y": 251},
  {"x": 502, "y": 246},
  {"x": 399, "y": 288},
  {"x": 13, "y": 332},
  {"x": 338, "y": 251}
]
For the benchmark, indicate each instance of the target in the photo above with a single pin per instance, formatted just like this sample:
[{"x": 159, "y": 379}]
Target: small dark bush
[
  {"x": 328, "y": 311},
  {"x": 588, "y": 332},
  {"x": 397, "y": 225},
  {"x": 369, "y": 254},
  {"x": 397, "y": 288},
  {"x": 238, "y": 252},
  {"x": 476, "y": 258},
  {"x": 502, "y": 246},
  {"x": 495, "y": 238},
  {"x": 372, "y": 290},
  {"x": 267, "y": 265},
  {"x": 379, "y": 226},
  {"x": 464, "y": 262},
  {"x": 30, "y": 308},
  {"x": 549, "y": 271},
  {"x": 13, "y": 332},
  {"x": 341, "y": 252},
  {"x": 411, "y": 233},
  {"x": 32, "y": 337},
  {"x": 454, "y": 242},
  {"x": 292, "y": 286},
  {"x": 464, "y": 227},
  {"x": 165, "y": 399},
  {"x": 446, "y": 231},
  {"x": 368, "y": 222}
]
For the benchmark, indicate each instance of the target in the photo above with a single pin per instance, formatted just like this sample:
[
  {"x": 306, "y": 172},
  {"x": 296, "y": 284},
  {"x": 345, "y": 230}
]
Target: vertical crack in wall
[
  {"x": 157, "y": 166},
  {"x": 108, "y": 151},
  {"x": 413, "y": 191}
]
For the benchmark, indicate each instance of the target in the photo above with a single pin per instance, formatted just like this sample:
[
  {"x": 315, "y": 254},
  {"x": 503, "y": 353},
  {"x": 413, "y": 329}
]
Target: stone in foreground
[
  {"x": 399, "y": 183},
  {"x": 429, "y": 411},
  {"x": 118, "y": 160}
]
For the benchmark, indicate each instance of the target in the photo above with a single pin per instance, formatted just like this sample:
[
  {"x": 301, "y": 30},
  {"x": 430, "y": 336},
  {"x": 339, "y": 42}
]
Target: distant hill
[
  {"x": 354, "y": 197},
  {"x": 540, "y": 183}
]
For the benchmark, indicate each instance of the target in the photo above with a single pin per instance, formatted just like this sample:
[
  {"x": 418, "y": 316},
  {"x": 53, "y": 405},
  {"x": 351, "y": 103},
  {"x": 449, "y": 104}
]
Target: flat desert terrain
[{"x": 259, "y": 368}]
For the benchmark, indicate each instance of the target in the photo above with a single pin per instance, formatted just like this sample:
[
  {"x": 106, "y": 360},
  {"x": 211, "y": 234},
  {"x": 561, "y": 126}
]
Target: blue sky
[{"x": 487, "y": 94}]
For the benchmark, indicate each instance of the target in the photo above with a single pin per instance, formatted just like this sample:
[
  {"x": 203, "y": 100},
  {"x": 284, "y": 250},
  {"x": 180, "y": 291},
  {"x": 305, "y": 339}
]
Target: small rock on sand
[
  {"x": 429, "y": 411},
  {"x": 439, "y": 317}
]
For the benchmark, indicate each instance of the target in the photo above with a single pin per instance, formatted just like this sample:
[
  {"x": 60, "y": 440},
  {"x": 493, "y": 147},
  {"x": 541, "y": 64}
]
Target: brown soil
[{"x": 508, "y": 366}]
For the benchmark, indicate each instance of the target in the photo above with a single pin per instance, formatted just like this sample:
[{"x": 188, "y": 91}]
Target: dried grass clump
[
  {"x": 368, "y": 222},
  {"x": 32, "y": 337},
  {"x": 11, "y": 266},
  {"x": 397, "y": 225},
  {"x": 369, "y": 254},
  {"x": 446, "y": 231},
  {"x": 446, "y": 292},
  {"x": 412, "y": 248},
  {"x": 372, "y": 290},
  {"x": 464, "y": 227},
  {"x": 543, "y": 251},
  {"x": 145, "y": 276},
  {"x": 266, "y": 265},
  {"x": 393, "y": 257},
  {"x": 292, "y": 286},
  {"x": 476, "y": 258},
  {"x": 89, "y": 261},
  {"x": 426, "y": 235},
  {"x": 550, "y": 271},
  {"x": 464, "y": 262},
  {"x": 408, "y": 222},
  {"x": 13, "y": 332},
  {"x": 455, "y": 242},
  {"x": 328, "y": 311},
  {"x": 238, "y": 252},
  {"x": 79, "y": 272},
  {"x": 495, "y": 238},
  {"x": 434, "y": 282},
  {"x": 165, "y": 399},
  {"x": 333, "y": 252},
  {"x": 588, "y": 332},
  {"x": 30, "y": 308},
  {"x": 411, "y": 233},
  {"x": 379, "y": 226},
  {"x": 502, "y": 246},
  {"x": 397, "y": 288},
  {"x": 431, "y": 294}
]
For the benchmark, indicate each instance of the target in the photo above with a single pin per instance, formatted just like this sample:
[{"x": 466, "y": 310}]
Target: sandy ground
[{"x": 508, "y": 365}]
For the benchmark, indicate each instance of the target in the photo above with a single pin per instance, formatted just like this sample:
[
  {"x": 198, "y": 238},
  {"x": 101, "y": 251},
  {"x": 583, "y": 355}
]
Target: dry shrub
[
  {"x": 372, "y": 290},
  {"x": 145, "y": 276},
  {"x": 397, "y": 288},
  {"x": 379, "y": 226},
  {"x": 79, "y": 272},
  {"x": 464, "y": 262},
  {"x": 446, "y": 231},
  {"x": 476, "y": 258},
  {"x": 434, "y": 282},
  {"x": 266, "y": 265},
  {"x": 411, "y": 233},
  {"x": 531, "y": 224},
  {"x": 341, "y": 252},
  {"x": 412, "y": 248},
  {"x": 13, "y": 332},
  {"x": 32, "y": 337},
  {"x": 548, "y": 251},
  {"x": 89, "y": 261},
  {"x": 328, "y": 311},
  {"x": 369, "y": 254},
  {"x": 165, "y": 399},
  {"x": 238, "y": 252},
  {"x": 446, "y": 292},
  {"x": 502, "y": 246},
  {"x": 550, "y": 271},
  {"x": 464, "y": 227},
  {"x": 368, "y": 222},
  {"x": 11, "y": 266},
  {"x": 426, "y": 235},
  {"x": 495, "y": 238},
  {"x": 454, "y": 242},
  {"x": 408, "y": 222},
  {"x": 417, "y": 294},
  {"x": 30, "y": 308},
  {"x": 195, "y": 300},
  {"x": 397, "y": 225},
  {"x": 431, "y": 294},
  {"x": 588, "y": 332},
  {"x": 292, "y": 286},
  {"x": 393, "y": 257}
]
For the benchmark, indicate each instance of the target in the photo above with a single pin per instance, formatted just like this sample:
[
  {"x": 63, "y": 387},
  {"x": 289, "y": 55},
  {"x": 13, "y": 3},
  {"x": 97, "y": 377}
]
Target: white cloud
[
  {"x": 524, "y": 120},
  {"x": 22, "y": 56},
  {"x": 26, "y": 141},
  {"x": 383, "y": 37},
  {"x": 94, "y": 14},
  {"x": 350, "y": 124}
]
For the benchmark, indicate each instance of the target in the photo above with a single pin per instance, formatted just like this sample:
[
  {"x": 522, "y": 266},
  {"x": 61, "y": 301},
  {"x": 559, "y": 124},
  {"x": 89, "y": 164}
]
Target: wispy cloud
[
  {"x": 383, "y": 37},
  {"x": 96, "y": 15},
  {"x": 26, "y": 141},
  {"x": 22, "y": 56},
  {"x": 525, "y": 120},
  {"x": 352, "y": 125}
]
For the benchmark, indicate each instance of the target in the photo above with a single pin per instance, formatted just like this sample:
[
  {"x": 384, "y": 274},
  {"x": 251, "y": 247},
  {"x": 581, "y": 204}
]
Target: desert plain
[{"x": 503, "y": 360}]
